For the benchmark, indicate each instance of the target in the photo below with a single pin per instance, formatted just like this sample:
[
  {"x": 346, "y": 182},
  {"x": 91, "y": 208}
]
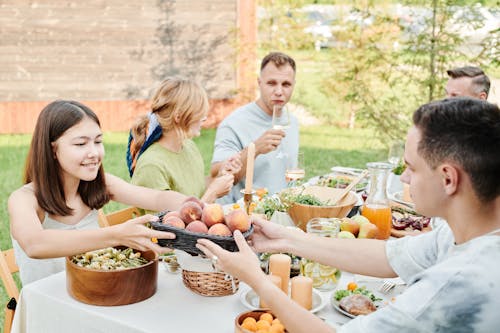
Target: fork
[{"x": 387, "y": 286}]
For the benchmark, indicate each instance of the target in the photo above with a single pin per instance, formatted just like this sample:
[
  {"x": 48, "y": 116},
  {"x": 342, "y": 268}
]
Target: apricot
[
  {"x": 174, "y": 222},
  {"x": 263, "y": 325},
  {"x": 219, "y": 229},
  {"x": 190, "y": 211},
  {"x": 195, "y": 200},
  {"x": 250, "y": 324},
  {"x": 238, "y": 220},
  {"x": 267, "y": 317},
  {"x": 348, "y": 224},
  {"x": 212, "y": 214},
  {"x": 172, "y": 213},
  {"x": 198, "y": 227}
]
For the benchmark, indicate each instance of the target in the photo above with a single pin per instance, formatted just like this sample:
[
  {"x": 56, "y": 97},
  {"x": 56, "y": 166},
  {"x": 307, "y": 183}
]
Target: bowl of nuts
[{"x": 112, "y": 276}]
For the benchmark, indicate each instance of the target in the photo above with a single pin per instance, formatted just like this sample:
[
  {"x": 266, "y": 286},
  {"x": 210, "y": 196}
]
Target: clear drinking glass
[
  {"x": 324, "y": 277},
  {"x": 281, "y": 121},
  {"x": 295, "y": 169},
  {"x": 396, "y": 151}
]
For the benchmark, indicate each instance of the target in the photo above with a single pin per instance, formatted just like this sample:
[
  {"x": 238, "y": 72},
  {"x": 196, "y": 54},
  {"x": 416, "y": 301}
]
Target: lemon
[
  {"x": 309, "y": 268},
  {"x": 326, "y": 271},
  {"x": 318, "y": 282}
]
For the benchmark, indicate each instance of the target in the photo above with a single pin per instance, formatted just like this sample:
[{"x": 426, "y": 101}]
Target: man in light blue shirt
[{"x": 253, "y": 123}]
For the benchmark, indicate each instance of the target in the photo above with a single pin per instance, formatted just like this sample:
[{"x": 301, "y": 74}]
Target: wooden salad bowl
[
  {"x": 301, "y": 214},
  {"x": 114, "y": 287}
]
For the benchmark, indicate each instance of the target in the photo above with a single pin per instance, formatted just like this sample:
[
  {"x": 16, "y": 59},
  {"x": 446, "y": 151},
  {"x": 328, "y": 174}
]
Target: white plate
[
  {"x": 398, "y": 197},
  {"x": 251, "y": 300},
  {"x": 373, "y": 286}
]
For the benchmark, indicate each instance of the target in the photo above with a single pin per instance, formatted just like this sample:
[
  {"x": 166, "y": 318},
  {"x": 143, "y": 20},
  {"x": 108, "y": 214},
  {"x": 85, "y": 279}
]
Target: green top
[{"x": 162, "y": 169}]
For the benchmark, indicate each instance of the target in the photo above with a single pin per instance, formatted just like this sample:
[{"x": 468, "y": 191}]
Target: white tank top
[{"x": 30, "y": 269}]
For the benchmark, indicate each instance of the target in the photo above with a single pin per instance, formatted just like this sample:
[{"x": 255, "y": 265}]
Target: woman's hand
[
  {"x": 219, "y": 187},
  {"x": 231, "y": 166},
  {"x": 133, "y": 233},
  {"x": 243, "y": 264}
]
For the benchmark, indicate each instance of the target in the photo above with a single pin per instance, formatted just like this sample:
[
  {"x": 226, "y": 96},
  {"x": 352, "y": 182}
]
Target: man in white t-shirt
[
  {"x": 452, "y": 272},
  {"x": 253, "y": 123}
]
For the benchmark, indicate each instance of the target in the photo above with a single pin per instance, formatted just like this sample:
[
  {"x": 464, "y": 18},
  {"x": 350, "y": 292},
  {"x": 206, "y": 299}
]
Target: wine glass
[
  {"x": 396, "y": 152},
  {"x": 281, "y": 121},
  {"x": 295, "y": 170}
]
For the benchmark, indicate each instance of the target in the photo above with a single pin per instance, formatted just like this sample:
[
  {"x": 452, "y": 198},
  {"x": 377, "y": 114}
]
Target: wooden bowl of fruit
[
  {"x": 112, "y": 276},
  {"x": 258, "y": 321},
  {"x": 316, "y": 204}
]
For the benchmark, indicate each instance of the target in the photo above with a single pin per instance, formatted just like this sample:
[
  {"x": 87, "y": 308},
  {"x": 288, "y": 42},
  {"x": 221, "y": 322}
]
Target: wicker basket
[
  {"x": 186, "y": 240},
  {"x": 210, "y": 284}
]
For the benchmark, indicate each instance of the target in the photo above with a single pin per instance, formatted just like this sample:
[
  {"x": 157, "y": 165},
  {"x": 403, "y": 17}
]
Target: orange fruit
[
  {"x": 262, "y": 331},
  {"x": 250, "y": 324},
  {"x": 277, "y": 328},
  {"x": 351, "y": 286},
  {"x": 267, "y": 317},
  {"x": 263, "y": 325},
  {"x": 275, "y": 321}
]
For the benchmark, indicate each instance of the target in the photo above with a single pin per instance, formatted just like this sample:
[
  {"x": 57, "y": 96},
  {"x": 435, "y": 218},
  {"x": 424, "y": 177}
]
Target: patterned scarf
[{"x": 152, "y": 135}]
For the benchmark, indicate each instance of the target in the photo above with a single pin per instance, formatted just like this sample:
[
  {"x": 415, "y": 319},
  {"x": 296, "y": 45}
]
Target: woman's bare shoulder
[{"x": 25, "y": 195}]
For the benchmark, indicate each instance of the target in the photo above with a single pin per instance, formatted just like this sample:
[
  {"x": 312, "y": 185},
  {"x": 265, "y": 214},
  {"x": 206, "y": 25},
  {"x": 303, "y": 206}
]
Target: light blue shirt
[
  {"x": 245, "y": 125},
  {"x": 451, "y": 288}
]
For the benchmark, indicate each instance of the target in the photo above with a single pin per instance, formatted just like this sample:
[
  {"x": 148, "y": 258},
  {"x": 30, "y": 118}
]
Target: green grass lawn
[{"x": 323, "y": 147}]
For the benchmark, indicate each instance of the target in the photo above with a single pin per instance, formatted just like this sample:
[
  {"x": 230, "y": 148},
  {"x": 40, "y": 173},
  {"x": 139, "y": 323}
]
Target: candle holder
[{"x": 247, "y": 200}]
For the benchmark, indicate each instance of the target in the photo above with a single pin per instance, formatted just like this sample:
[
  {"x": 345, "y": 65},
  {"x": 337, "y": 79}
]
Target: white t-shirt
[
  {"x": 451, "y": 288},
  {"x": 245, "y": 125}
]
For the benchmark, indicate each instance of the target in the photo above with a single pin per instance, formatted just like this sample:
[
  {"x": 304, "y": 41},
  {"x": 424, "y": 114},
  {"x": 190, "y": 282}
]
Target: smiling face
[
  {"x": 276, "y": 86},
  {"x": 79, "y": 151},
  {"x": 425, "y": 183}
]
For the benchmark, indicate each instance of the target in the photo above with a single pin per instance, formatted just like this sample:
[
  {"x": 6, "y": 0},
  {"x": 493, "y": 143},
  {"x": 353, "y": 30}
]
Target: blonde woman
[{"x": 161, "y": 153}]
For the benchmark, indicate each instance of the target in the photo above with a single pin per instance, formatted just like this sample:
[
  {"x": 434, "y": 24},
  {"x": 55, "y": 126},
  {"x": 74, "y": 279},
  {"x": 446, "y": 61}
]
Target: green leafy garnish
[{"x": 339, "y": 294}]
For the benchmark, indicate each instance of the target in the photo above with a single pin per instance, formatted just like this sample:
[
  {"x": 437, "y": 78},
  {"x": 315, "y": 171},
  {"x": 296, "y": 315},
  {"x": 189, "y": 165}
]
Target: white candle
[
  {"x": 250, "y": 162},
  {"x": 279, "y": 264},
  {"x": 302, "y": 291}
]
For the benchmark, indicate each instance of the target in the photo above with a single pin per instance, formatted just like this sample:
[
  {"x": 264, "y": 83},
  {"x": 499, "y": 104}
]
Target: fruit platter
[{"x": 196, "y": 219}]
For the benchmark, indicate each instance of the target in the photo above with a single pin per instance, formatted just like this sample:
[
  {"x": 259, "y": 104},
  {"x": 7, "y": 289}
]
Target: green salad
[{"x": 339, "y": 294}]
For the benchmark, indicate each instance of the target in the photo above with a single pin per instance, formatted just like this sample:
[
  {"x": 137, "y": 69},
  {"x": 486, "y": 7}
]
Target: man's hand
[{"x": 268, "y": 141}]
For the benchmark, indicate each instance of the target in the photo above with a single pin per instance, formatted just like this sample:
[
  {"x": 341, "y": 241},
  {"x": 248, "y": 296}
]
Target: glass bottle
[
  {"x": 324, "y": 277},
  {"x": 377, "y": 207}
]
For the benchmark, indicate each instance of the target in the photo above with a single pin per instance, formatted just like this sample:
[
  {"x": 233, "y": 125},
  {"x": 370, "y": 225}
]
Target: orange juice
[{"x": 380, "y": 215}]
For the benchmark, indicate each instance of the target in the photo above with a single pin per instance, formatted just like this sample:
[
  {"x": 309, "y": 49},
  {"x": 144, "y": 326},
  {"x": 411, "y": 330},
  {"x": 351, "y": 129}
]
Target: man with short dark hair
[
  {"x": 468, "y": 81},
  {"x": 253, "y": 123},
  {"x": 452, "y": 272}
]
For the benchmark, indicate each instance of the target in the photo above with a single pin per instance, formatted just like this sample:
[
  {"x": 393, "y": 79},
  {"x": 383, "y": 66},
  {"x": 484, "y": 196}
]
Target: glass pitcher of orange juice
[{"x": 377, "y": 208}]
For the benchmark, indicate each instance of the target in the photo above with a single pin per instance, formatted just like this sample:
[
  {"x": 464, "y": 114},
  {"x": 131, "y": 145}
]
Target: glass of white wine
[
  {"x": 295, "y": 170},
  {"x": 396, "y": 151},
  {"x": 281, "y": 121}
]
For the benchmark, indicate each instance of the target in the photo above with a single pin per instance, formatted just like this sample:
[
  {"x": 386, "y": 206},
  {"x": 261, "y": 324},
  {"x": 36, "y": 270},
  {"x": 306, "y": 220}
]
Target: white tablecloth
[{"x": 46, "y": 306}]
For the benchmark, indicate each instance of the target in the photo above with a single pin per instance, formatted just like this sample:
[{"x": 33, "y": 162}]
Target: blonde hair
[{"x": 178, "y": 104}]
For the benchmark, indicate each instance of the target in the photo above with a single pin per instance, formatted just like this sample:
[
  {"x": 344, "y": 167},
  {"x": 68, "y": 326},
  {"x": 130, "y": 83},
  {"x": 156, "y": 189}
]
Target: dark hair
[
  {"x": 279, "y": 59},
  {"x": 44, "y": 170},
  {"x": 465, "y": 131},
  {"x": 480, "y": 81}
]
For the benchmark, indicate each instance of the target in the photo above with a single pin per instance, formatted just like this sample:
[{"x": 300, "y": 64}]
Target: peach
[
  {"x": 212, "y": 214},
  {"x": 172, "y": 213},
  {"x": 198, "y": 227},
  {"x": 190, "y": 211},
  {"x": 238, "y": 220},
  {"x": 219, "y": 229},
  {"x": 174, "y": 221},
  {"x": 347, "y": 224},
  {"x": 195, "y": 200},
  {"x": 368, "y": 230}
]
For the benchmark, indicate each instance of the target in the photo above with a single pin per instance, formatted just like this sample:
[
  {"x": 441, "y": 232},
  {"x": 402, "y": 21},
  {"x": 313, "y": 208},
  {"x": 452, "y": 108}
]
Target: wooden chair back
[
  {"x": 8, "y": 267},
  {"x": 120, "y": 216}
]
